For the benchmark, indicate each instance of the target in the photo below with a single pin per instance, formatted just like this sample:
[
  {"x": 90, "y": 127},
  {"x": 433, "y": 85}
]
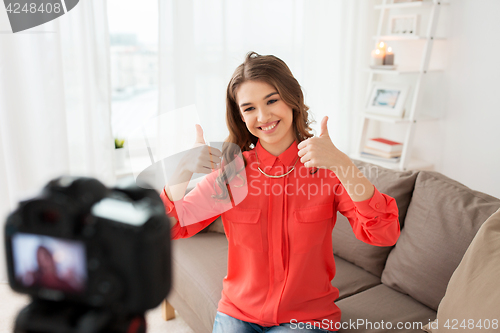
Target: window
[{"x": 133, "y": 28}]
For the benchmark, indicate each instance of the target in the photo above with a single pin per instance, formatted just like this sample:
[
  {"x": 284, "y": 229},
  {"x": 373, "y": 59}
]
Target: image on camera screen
[{"x": 49, "y": 262}]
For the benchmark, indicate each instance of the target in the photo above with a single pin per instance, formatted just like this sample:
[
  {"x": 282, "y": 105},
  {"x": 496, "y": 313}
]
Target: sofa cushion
[
  {"x": 350, "y": 279},
  {"x": 472, "y": 293},
  {"x": 199, "y": 264},
  {"x": 396, "y": 184},
  {"x": 443, "y": 218},
  {"x": 382, "y": 303}
]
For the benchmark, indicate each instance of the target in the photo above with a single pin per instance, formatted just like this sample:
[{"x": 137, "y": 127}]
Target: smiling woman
[
  {"x": 269, "y": 118},
  {"x": 279, "y": 234},
  {"x": 265, "y": 95}
]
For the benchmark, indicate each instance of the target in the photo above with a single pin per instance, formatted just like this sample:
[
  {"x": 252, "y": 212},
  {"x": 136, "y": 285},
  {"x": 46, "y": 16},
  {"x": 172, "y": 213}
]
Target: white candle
[
  {"x": 389, "y": 57},
  {"x": 382, "y": 47},
  {"x": 377, "y": 58}
]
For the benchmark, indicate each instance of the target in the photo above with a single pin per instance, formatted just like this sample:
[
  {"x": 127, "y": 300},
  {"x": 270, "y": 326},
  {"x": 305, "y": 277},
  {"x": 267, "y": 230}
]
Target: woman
[
  {"x": 46, "y": 275},
  {"x": 282, "y": 228}
]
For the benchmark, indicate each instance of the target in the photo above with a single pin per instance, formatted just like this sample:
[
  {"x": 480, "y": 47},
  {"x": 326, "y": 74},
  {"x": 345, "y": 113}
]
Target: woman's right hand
[
  {"x": 199, "y": 159},
  {"x": 202, "y": 158}
]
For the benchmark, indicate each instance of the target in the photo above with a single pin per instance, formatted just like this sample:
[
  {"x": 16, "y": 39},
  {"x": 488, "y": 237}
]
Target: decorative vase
[{"x": 119, "y": 158}]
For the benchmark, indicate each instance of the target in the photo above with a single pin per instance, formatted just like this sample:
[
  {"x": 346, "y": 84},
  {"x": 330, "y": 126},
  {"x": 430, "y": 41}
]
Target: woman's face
[
  {"x": 45, "y": 261},
  {"x": 266, "y": 115}
]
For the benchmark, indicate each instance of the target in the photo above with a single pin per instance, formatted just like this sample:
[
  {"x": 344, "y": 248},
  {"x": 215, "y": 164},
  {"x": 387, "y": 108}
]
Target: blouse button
[{"x": 377, "y": 206}]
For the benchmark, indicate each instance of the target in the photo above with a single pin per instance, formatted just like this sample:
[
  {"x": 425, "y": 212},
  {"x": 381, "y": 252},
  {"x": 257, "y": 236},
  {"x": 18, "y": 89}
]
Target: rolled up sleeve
[
  {"x": 178, "y": 231},
  {"x": 200, "y": 207},
  {"x": 169, "y": 205},
  {"x": 374, "y": 221}
]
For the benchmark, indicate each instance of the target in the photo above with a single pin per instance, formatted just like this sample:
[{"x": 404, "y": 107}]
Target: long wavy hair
[{"x": 273, "y": 71}]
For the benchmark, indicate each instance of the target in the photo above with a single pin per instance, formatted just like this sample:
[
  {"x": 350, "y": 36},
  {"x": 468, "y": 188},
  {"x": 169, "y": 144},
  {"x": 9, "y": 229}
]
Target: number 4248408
[
  {"x": 34, "y": 8},
  {"x": 471, "y": 324}
]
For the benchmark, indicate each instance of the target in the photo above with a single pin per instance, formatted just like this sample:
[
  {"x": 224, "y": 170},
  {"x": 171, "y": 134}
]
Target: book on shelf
[
  {"x": 382, "y": 153},
  {"x": 386, "y": 145},
  {"x": 379, "y": 158}
]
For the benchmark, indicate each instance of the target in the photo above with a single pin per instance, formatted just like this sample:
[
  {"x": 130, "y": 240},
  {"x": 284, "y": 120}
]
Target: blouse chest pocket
[
  {"x": 246, "y": 231},
  {"x": 310, "y": 226}
]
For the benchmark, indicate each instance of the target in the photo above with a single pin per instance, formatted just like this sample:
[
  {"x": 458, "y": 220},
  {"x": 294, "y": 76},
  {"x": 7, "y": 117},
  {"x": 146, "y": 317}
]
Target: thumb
[
  {"x": 199, "y": 134},
  {"x": 324, "y": 127}
]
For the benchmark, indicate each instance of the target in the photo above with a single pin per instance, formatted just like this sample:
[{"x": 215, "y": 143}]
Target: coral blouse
[{"x": 280, "y": 255}]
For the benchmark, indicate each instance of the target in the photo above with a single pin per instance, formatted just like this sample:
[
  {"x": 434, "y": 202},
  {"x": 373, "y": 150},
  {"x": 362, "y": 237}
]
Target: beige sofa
[{"x": 383, "y": 286}]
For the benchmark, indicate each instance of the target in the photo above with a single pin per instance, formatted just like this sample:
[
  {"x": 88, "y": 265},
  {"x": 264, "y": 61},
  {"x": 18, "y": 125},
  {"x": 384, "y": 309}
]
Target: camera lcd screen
[{"x": 49, "y": 262}]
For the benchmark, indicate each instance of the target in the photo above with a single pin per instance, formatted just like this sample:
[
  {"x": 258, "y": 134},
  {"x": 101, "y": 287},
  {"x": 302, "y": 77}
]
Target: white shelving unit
[
  {"x": 403, "y": 38},
  {"x": 400, "y": 71},
  {"x": 412, "y": 117}
]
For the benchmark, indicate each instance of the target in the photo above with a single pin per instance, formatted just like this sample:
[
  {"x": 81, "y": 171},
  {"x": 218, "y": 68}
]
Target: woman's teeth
[{"x": 270, "y": 127}]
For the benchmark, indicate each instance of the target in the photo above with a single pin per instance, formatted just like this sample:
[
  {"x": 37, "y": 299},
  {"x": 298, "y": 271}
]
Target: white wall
[
  {"x": 471, "y": 132},
  {"x": 465, "y": 143}
]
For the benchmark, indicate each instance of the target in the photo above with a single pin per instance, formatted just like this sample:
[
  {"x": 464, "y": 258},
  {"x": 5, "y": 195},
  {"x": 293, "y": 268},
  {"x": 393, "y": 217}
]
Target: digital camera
[{"x": 84, "y": 244}]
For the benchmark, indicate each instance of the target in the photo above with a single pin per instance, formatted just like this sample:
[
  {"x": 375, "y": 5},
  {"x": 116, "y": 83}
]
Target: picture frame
[
  {"x": 403, "y": 25},
  {"x": 387, "y": 99}
]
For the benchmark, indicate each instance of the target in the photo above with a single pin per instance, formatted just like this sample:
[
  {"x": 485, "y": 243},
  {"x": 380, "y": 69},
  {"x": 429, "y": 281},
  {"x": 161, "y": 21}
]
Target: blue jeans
[{"x": 227, "y": 324}]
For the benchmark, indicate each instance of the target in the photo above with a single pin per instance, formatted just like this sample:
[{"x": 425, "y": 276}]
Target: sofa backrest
[
  {"x": 397, "y": 184},
  {"x": 443, "y": 217}
]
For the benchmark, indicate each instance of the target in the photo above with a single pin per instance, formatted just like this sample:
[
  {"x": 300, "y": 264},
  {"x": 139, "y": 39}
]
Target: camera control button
[
  {"x": 94, "y": 264},
  {"x": 96, "y": 300},
  {"x": 88, "y": 231},
  {"x": 108, "y": 286},
  {"x": 104, "y": 287}
]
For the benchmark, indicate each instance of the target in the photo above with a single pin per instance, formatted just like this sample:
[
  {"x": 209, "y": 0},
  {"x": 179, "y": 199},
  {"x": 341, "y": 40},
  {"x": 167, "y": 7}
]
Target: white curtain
[
  {"x": 54, "y": 104},
  {"x": 322, "y": 41}
]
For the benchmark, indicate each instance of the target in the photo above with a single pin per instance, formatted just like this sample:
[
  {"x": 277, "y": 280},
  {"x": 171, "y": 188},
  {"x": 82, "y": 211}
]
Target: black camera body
[{"x": 82, "y": 243}]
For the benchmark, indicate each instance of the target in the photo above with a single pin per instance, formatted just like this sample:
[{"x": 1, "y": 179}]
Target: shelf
[
  {"x": 408, "y": 4},
  {"x": 401, "y": 71},
  {"x": 403, "y": 5},
  {"x": 413, "y": 165},
  {"x": 404, "y": 38},
  {"x": 123, "y": 172},
  {"x": 394, "y": 120},
  {"x": 386, "y": 119},
  {"x": 426, "y": 37}
]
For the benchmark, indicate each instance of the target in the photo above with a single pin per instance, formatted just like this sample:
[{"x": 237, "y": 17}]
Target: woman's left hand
[{"x": 320, "y": 152}]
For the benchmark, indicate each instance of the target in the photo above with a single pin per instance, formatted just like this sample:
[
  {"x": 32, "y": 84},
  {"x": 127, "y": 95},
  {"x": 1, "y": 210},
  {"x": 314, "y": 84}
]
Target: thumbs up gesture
[
  {"x": 202, "y": 158},
  {"x": 199, "y": 141},
  {"x": 320, "y": 152}
]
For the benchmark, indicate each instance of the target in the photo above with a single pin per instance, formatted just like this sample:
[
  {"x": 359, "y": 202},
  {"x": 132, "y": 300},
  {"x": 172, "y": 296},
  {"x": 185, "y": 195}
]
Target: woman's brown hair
[{"x": 273, "y": 71}]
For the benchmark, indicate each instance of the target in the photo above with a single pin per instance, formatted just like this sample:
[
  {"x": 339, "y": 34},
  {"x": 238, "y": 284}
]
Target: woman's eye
[
  {"x": 271, "y": 101},
  {"x": 249, "y": 109}
]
